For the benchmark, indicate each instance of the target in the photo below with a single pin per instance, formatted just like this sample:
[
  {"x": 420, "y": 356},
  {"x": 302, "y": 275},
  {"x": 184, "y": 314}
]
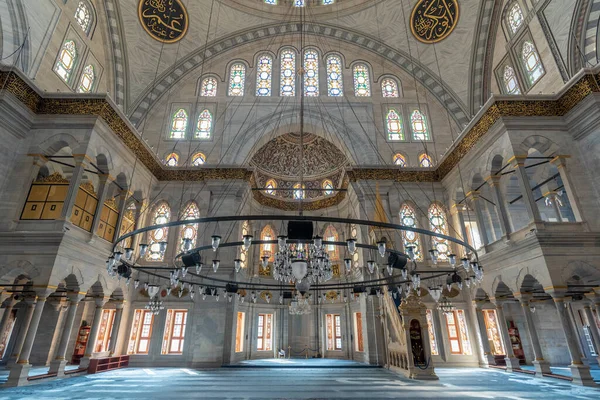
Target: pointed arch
[
  {"x": 288, "y": 73},
  {"x": 161, "y": 215},
  {"x": 237, "y": 79},
  {"x": 189, "y": 231},
  {"x": 311, "y": 73},
  {"x": 408, "y": 217},
  {"x": 335, "y": 78},
  {"x": 438, "y": 223},
  {"x": 362, "y": 80},
  {"x": 264, "y": 75},
  {"x": 267, "y": 249}
]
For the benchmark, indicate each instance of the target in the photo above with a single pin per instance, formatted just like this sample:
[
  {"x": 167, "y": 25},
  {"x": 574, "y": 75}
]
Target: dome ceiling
[{"x": 315, "y": 8}]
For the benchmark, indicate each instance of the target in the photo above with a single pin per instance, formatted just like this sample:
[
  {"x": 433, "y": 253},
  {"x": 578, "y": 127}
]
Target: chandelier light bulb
[
  {"x": 268, "y": 298},
  {"x": 192, "y": 294},
  {"x": 136, "y": 283},
  {"x": 247, "y": 241},
  {"x": 452, "y": 259},
  {"x": 162, "y": 247},
  {"x": 146, "y": 286},
  {"x": 434, "y": 255},
  {"x": 237, "y": 263},
  {"x": 111, "y": 261},
  {"x": 242, "y": 299},
  {"x": 348, "y": 264},
  {"x": 468, "y": 282},
  {"x": 215, "y": 265},
  {"x": 169, "y": 289},
  {"x": 117, "y": 255},
  {"x": 282, "y": 241},
  {"x": 390, "y": 269},
  {"x": 410, "y": 252},
  {"x": 128, "y": 253},
  {"x": 184, "y": 271},
  {"x": 318, "y": 242},
  {"x": 187, "y": 244},
  {"x": 371, "y": 266},
  {"x": 128, "y": 281},
  {"x": 216, "y": 240},
  {"x": 280, "y": 299},
  {"x": 465, "y": 263},
  {"x": 180, "y": 292},
  {"x": 473, "y": 266},
  {"x": 381, "y": 248},
  {"x": 203, "y": 295},
  {"x": 199, "y": 267},
  {"x": 265, "y": 261},
  {"x": 143, "y": 249},
  {"x": 404, "y": 273},
  {"x": 351, "y": 244}
]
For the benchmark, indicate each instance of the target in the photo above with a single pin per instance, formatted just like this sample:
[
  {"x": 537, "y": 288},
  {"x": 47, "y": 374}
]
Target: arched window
[
  {"x": 327, "y": 187},
  {"x": 399, "y": 160},
  {"x": 86, "y": 83},
  {"x": 299, "y": 191},
  {"x": 208, "y": 87},
  {"x": 418, "y": 125},
  {"x": 335, "y": 81},
  {"x": 511, "y": 85},
  {"x": 172, "y": 160},
  {"x": 204, "y": 125},
  {"x": 389, "y": 88},
  {"x": 264, "y": 71},
  {"x": 189, "y": 231},
  {"x": 267, "y": 248},
  {"x": 270, "y": 187},
  {"x": 331, "y": 235},
  {"x": 311, "y": 73},
  {"x": 244, "y": 253},
  {"x": 408, "y": 218},
  {"x": 515, "y": 17},
  {"x": 179, "y": 124},
  {"x": 438, "y": 224},
  {"x": 362, "y": 84},
  {"x": 533, "y": 64},
  {"x": 198, "y": 159},
  {"x": 425, "y": 161},
  {"x": 299, "y": 3},
  {"x": 237, "y": 79},
  {"x": 83, "y": 16},
  {"x": 128, "y": 223},
  {"x": 162, "y": 215},
  {"x": 394, "y": 125},
  {"x": 288, "y": 73},
  {"x": 66, "y": 60}
]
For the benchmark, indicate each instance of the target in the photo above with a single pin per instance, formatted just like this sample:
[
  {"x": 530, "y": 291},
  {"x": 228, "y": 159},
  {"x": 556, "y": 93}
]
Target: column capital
[
  {"x": 473, "y": 195},
  {"x": 75, "y": 297},
  {"x": 82, "y": 158},
  {"x": 119, "y": 304},
  {"x": 493, "y": 180},
  {"x": 103, "y": 178},
  {"x": 524, "y": 298},
  {"x": 517, "y": 161},
  {"x": 38, "y": 159},
  {"x": 100, "y": 301},
  {"x": 560, "y": 160}
]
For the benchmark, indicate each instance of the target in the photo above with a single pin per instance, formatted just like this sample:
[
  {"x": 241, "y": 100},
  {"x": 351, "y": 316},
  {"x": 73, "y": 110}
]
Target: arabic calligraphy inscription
[
  {"x": 164, "y": 20},
  {"x": 433, "y": 20}
]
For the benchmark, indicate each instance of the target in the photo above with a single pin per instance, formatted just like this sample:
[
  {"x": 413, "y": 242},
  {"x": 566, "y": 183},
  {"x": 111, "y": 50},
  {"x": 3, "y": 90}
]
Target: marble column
[
  {"x": 581, "y": 373},
  {"x": 587, "y": 309},
  {"x": 460, "y": 209},
  {"x": 512, "y": 362},
  {"x": 89, "y": 348},
  {"x": 104, "y": 184},
  {"x": 114, "y": 333},
  {"x": 73, "y": 186},
  {"x": 58, "y": 364},
  {"x": 541, "y": 366},
  {"x": 483, "y": 336},
  {"x": 6, "y": 316},
  {"x": 475, "y": 200},
  {"x": 518, "y": 162},
  {"x": 121, "y": 204},
  {"x": 494, "y": 182},
  {"x": 561, "y": 163},
  {"x": 24, "y": 327}
]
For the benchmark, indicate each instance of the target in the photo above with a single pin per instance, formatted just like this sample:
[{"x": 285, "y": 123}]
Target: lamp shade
[{"x": 299, "y": 268}]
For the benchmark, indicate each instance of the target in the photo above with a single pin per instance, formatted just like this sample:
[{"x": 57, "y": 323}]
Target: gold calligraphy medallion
[
  {"x": 164, "y": 20},
  {"x": 432, "y": 21}
]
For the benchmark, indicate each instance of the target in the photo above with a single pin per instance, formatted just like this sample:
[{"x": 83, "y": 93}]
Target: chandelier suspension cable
[{"x": 301, "y": 76}]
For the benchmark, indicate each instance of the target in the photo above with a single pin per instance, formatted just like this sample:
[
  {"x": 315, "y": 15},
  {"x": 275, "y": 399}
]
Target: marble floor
[{"x": 300, "y": 383}]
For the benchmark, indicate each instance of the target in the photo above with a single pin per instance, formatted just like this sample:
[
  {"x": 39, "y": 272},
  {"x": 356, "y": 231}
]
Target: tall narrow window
[
  {"x": 473, "y": 234},
  {"x": 66, "y": 60},
  {"x": 243, "y": 252},
  {"x": 264, "y": 71},
  {"x": 179, "y": 124},
  {"x": 141, "y": 332},
  {"x": 431, "y": 330},
  {"x": 128, "y": 223},
  {"x": 105, "y": 330},
  {"x": 358, "y": 333},
  {"x": 464, "y": 334},
  {"x": 438, "y": 224},
  {"x": 533, "y": 64},
  {"x": 515, "y": 17},
  {"x": 172, "y": 160},
  {"x": 408, "y": 218},
  {"x": 86, "y": 83},
  {"x": 331, "y": 235},
  {"x": 394, "y": 125},
  {"x": 204, "y": 125},
  {"x": 453, "y": 333},
  {"x": 288, "y": 73},
  {"x": 418, "y": 125},
  {"x": 425, "y": 161},
  {"x": 493, "y": 332},
  {"x": 389, "y": 88},
  {"x": 270, "y": 187},
  {"x": 399, "y": 160},
  {"x": 83, "y": 16},
  {"x": 299, "y": 192},
  {"x": 511, "y": 85},
  {"x": 335, "y": 80},
  {"x": 198, "y": 159},
  {"x": 239, "y": 332},
  {"x": 362, "y": 84},
  {"x": 174, "y": 332},
  {"x": 311, "y": 73},
  {"x": 327, "y": 187},
  {"x": 189, "y": 231},
  {"x": 162, "y": 215},
  {"x": 208, "y": 87},
  {"x": 334, "y": 332},
  {"x": 266, "y": 250},
  {"x": 264, "y": 339},
  {"x": 237, "y": 79}
]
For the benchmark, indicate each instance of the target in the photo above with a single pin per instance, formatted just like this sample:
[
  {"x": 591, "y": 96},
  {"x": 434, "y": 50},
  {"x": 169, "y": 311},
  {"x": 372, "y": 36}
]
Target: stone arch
[
  {"x": 582, "y": 272},
  {"x": 540, "y": 143},
  {"x": 480, "y": 294},
  {"x": 496, "y": 163},
  {"x": 55, "y": 143},
  {"x": 19, "y": 268},
  {"x": 500, "y": 287}
]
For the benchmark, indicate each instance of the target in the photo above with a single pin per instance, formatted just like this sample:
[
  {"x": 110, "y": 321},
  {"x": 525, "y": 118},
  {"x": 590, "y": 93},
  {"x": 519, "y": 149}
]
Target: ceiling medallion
[
  {"x": 432, "y": 21},
  {"x": 164, "y": 20}
]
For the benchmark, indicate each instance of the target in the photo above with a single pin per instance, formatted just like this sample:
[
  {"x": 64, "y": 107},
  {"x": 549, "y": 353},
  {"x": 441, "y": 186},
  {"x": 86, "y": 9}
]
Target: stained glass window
[
  {"x": 299, "y": 3},
  {"x": 431, "y": 331},
  {"x": 438, "y": 224},
  {"x": 83, "y": 16},
  {"x": 399, "y": 160},
  {"x": 162, "y": 215},
  {"x": 208, "y": 87},
  {"x": 87, "y": 79},
  {"x": 425, "y": 161},
  {"x": 66, "y": 60},
  {"x": 418, "y": 125},
  {"x": 244, "y": 253},
  {"x": 328, "y": 187},
  {"x": 204, "y": 125},
  {"x": 263, "y": 75},
  {"x": 331, "y": 235},
  {"x": 270, "y": 187},
  {"x": 311, "y": 73},
  {"x": 515, "y": 17},
  {"x": 335, "y": 81},
  {"x": 389, "y": 88},
  {"x": 179, "y": 124},
  {"x": 189, "y": 231},
  {"x": 198, "y": 159},
  {"x": 394, "y": 125},
  {"x": 408, "y": 218},
  {"x": 362, "y": 85},
  {"x": 533, "y": 64},
  {"x": 267, "y": 248},
  {"x": 237, "y": 79},
  {"x": 288, "y": 73},
  {"x": 128, "y": 223},
  {"x": 511, "y": 85},
  {"x": 172, "y": 160},
  {"x": 299, "y": 191}
]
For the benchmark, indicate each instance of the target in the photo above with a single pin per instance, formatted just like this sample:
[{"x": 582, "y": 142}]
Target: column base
[
  {"x": 57, "y": 367},
  {"x": 84, "y": 362},
  {"x": 18, "y": 375},
  {"x": 581, "y": 375},
  {"x": 512, "y": 363},
  {"x": 490, "y": 359},
  {"x": 542, "y": 367},
  {"x": 424, "y": 374}
]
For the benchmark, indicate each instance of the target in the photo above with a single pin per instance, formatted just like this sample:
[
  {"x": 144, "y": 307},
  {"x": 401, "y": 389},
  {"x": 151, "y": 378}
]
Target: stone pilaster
[
  {"x": 541, "y": 366},
  {"x": 512, "y": 362},
  {"x": 494, "y": 182},
  {"x": 114, "y": 333},
  {"x": 58, "y": 364},
  {"x": 89, "y": 348}
]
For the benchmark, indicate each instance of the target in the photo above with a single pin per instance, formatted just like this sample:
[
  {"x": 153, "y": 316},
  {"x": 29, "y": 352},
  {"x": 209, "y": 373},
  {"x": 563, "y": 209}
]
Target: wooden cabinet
[
  {"x": 515, "y": 341},
  {"x": 107, "y": 364},
  {"x": 82, "y": 338}
]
